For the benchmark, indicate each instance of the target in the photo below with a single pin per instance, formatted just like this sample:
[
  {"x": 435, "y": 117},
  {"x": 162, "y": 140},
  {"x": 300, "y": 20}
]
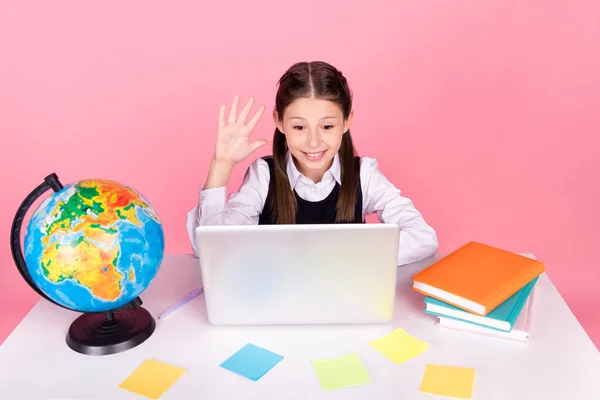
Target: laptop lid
[{"x": 299, "y": 274}]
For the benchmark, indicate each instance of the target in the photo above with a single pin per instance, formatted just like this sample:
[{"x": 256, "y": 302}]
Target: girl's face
[{"x": 313, "y": 129}]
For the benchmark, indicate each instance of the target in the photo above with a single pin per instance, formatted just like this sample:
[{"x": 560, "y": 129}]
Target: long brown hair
[{"x": 321, "y": 80}]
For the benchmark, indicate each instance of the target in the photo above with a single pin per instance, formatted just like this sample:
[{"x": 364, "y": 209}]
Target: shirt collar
[{"x": 294, "y": 175}]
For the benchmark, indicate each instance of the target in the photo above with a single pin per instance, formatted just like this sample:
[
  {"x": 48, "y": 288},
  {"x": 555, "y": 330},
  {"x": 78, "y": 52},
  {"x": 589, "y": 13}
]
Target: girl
[{"x": 314, "y": 175}]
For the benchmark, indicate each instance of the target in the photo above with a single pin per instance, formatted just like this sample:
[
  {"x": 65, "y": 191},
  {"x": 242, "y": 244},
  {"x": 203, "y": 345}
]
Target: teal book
[{"x": 501, "y": 318}]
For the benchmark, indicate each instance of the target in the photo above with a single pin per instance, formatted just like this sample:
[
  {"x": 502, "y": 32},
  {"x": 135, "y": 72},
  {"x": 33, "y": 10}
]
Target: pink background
[{"x": 485, "y": 113}]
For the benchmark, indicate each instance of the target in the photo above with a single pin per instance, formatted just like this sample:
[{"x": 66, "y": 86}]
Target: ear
[
  {"x": 348, "y": 121},
  {"x": 278, "y": 123}
]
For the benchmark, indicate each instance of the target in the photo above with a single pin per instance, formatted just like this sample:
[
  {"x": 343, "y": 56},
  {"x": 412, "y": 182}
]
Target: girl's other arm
[{"x": 418, "y": 240}]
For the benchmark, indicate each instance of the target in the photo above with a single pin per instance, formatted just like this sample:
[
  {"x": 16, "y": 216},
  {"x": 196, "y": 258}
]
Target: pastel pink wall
[{"x": 485, "y": 113}]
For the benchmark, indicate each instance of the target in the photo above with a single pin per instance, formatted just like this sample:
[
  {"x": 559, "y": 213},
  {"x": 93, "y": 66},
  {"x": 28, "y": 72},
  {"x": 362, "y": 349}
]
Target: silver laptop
[{"x": 299, "y": 274}]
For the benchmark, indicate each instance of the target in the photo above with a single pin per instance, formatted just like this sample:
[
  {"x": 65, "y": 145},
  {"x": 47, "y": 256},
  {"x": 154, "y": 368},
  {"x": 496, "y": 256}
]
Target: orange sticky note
[
  {"x": 152, "y": 378},
  {"x": 449, "y": 381}
]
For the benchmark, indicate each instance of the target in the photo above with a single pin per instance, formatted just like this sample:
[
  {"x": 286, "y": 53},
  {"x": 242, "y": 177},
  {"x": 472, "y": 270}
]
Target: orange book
[{"x": 477, "y": 277}]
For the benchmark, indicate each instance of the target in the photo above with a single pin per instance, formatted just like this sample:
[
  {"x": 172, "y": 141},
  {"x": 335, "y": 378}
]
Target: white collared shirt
[{"x": 417, "y": 239}]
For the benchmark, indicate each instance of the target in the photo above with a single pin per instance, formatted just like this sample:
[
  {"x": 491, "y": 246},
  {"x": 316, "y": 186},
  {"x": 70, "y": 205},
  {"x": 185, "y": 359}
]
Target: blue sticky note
[{"x": 251, "y": 361}]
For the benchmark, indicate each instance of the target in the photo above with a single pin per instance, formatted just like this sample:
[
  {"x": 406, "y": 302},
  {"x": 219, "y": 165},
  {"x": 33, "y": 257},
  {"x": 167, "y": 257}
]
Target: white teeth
[{"x": 315, "y": 155}]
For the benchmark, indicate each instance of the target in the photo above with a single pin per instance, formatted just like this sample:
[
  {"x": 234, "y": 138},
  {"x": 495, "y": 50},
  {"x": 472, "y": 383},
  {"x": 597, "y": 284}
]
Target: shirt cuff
[{"x": 213, "y": 196}]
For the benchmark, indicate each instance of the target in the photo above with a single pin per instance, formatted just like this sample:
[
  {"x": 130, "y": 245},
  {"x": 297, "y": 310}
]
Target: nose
[{"x": 313, "y": 138}]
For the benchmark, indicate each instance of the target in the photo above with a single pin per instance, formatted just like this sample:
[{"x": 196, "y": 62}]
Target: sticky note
[
  {"x": 252, "y": 361},
  {"x": 399, "y": 346},
  {"x": 449, "y": 381},
  {"x": 152, "y": 378},
  {"x": 344, "y": 371}
]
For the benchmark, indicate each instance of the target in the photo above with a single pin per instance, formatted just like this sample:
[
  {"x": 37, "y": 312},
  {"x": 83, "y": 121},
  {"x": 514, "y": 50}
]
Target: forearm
[{"x": 218, "y": 174}]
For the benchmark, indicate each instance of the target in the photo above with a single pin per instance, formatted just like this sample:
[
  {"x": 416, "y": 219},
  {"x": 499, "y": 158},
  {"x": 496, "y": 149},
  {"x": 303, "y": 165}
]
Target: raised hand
[{"x": 233, "y": 137}]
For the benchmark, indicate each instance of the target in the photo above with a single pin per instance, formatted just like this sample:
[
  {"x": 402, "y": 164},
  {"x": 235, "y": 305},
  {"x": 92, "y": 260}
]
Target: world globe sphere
[{"x": 93, "y": 246}]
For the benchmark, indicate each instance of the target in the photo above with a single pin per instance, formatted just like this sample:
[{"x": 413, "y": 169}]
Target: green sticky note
[
  {"x": 399, "y": 346},
  {"x": 347, "y": 370}
]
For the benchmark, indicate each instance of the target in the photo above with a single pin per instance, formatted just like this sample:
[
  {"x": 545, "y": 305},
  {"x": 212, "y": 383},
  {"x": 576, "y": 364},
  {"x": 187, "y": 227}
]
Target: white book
[{"x": 521, "y": 331}]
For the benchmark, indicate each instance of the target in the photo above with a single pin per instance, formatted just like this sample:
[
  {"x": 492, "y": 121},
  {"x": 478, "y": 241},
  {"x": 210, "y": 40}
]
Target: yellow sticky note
[
  {"x": 152, "y": 378},
  {"x": 339, "y": 372},
  {"x": 449, "y": 381},
  {"x": 399, "y": 346}
]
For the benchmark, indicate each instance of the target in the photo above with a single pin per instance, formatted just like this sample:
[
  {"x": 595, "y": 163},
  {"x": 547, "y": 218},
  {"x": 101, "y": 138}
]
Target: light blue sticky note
[{"x": 251, "y": 361}]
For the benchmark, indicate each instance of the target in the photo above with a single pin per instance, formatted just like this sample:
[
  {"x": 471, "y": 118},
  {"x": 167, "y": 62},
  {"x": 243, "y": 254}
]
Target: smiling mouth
[{"x": 314, "y": 156}]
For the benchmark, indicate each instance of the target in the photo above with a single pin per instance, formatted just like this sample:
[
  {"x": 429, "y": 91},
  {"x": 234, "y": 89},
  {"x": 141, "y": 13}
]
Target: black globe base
[{"x": 113, "y": 332}]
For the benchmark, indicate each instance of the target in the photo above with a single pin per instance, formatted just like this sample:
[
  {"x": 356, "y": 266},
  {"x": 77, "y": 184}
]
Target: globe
[{"x": 92, "y": 246}]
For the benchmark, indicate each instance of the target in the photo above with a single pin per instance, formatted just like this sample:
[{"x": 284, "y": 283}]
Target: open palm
[{"x": 233, "y": 138}]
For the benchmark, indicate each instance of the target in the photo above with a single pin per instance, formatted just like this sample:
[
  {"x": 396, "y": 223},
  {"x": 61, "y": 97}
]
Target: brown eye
[
  {"x": 328, "y": 127},
  {"x": 298, "y": 127}
]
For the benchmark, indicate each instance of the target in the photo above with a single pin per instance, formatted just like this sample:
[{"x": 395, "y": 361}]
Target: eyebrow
[{"x": 328, "y": 117}]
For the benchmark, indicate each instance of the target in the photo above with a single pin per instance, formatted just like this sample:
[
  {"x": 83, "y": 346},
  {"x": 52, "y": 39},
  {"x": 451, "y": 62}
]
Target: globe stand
[
  {"x": 103, "y": 333},
  {"x": 111, "y": 332}
]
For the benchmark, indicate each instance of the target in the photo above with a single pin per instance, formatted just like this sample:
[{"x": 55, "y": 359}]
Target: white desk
[{"x": 559, "y": 362}]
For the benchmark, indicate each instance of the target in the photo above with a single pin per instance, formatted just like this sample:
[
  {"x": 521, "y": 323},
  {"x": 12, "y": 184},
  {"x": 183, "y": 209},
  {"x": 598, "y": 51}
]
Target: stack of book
[{"x": 481, "y": 289}]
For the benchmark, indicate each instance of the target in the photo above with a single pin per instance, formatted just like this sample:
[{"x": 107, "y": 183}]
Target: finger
[
  {"x": 233, "y": 110},
  {"x": 257, "y": 144},
  {"x": 256, "y": 117},
  {"x": 246, "y": 110},
  {"x": 222, "y": 116}
]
